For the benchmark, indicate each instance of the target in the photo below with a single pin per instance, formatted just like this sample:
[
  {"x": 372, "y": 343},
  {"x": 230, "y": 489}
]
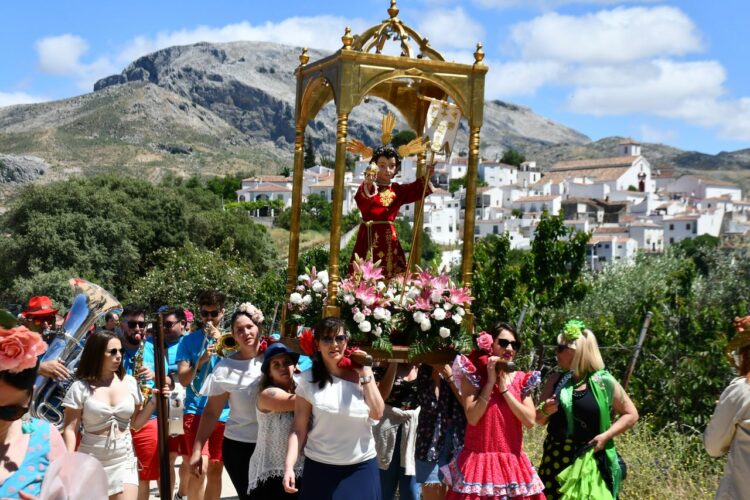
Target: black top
[{"x": 585, "y": 418}]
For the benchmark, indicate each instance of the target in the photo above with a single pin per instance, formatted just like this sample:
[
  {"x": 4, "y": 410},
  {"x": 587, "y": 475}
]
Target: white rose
[
  {"x": 418, "y": 317},
  {"x": 439, "y": 313},
  {"x": 365, "y": 326},
  {"x": 380, "y": 285},
  {"x": 379, "y": 313},
  {"x": 307, "y": 300},
  {"x": 436, "y": 296},
  {"x": 444, "y": 332},
  {"x": 295, "y": 298},
  {"x": 387, "y": 315},
  {"x": 349, "y": 299},
  {"x": 378, "y": 332},
  {"x": 457, "y": 319},
  {"x": 303, "y": 277},
  {"x": 425, "y": 325},
  {"x": 460, "y": 310},
  {"x": 447, "y": 306},
  {"x": 317, "y": 286},
  {"x": 323, "y": 277},
  {"x": 359, "y": 317}
]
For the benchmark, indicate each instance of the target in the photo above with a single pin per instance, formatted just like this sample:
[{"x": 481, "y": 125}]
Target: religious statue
[{"x": 379, "y": 200}]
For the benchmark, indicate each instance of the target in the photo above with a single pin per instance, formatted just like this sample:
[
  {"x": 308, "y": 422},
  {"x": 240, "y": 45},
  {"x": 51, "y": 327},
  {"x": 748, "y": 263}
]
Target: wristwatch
[{"x": 364, "y": 380}]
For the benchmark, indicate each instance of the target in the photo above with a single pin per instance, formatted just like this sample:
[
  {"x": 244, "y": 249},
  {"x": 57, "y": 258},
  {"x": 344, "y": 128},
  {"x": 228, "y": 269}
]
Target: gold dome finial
[
  {"x": 347, "y": 39},
  {"x": 478, "y": 54},
  {"x": 393, "y": 10},
  {"x": 303, "y": 57}
]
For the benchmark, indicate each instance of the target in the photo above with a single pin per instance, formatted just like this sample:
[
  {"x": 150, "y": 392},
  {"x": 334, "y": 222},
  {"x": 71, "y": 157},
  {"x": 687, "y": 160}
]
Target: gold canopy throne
[{"x": 360, "y": 69}]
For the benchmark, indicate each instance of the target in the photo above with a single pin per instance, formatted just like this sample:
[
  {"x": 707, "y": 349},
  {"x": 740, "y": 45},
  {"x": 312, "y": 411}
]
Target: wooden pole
[
  {"x": 638, "y": 346},
  {"x": 165, "y": 486}
]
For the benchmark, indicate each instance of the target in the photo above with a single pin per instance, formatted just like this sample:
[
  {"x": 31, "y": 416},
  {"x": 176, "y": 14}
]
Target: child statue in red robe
[{"x": 379, "y": 200}]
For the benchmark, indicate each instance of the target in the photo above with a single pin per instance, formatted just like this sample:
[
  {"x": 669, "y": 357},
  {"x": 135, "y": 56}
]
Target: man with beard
[{"x": 41, "y": 316}]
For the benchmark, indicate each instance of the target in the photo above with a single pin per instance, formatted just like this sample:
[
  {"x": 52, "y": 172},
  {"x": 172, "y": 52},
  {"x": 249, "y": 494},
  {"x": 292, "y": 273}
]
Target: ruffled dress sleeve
[
  {"x": 529, "y": 383},
  {"x": 216, "y": 382}
]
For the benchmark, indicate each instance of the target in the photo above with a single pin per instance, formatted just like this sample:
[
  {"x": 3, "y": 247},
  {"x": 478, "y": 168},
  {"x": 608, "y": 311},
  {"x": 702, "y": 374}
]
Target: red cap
[{"x": 40, "y": 305}]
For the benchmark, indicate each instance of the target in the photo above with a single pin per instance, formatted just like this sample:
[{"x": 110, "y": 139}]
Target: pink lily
[{"x": 460, "y": 296}]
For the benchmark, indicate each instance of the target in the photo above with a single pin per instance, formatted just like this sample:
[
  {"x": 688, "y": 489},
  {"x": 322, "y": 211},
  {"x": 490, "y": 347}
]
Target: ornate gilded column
[
  {"x": 299, "y": 155},
  {"x": 471, "y": 205},
  {"x": 334, "y": 276}
]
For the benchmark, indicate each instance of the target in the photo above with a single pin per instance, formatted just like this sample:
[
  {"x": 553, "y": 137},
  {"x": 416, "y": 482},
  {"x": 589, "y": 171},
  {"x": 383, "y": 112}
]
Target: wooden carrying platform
[{"x": 399, "y": 354}]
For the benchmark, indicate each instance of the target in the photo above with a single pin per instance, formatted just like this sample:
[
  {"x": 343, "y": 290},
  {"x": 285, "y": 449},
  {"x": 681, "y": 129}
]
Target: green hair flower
[{"x": 573, "y": 329}]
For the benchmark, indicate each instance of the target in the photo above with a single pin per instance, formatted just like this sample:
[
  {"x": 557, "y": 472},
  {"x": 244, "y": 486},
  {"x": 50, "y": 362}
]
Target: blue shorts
[{"x": 429, "y": 472}]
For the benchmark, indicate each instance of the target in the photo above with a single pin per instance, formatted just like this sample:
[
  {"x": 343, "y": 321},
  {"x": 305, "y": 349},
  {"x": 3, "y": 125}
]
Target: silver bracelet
[{"x": 366, "y": 379}]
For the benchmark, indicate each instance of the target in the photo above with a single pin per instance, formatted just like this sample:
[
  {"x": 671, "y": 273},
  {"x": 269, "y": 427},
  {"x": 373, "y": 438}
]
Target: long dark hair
[
  {"x": 326, "y": 327},
  {"x": 498, "y": 327},
  {"x": 92, "y": 358}
]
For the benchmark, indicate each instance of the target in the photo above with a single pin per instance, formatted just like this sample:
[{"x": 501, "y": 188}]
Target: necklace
[{"x": 578, "y": 384}]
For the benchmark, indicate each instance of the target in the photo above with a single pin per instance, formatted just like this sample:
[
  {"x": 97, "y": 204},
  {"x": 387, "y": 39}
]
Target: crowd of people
[{"x": 341, "y": 429}]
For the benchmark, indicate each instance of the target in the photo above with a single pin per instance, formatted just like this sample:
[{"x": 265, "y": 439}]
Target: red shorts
[
  {"x": 145, "y": 445},
  {"x": 212, "y": 447},
  {"x": 178, "y": 445}
]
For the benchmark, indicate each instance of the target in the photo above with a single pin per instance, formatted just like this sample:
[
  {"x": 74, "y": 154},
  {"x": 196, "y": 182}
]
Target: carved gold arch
[{"x": 360, "y": 69}]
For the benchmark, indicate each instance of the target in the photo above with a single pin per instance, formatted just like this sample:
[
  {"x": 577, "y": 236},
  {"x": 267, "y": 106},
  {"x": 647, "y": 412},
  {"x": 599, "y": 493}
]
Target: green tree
[
  {"x": 403, "y": 137},
  {"x": 309, "y": 154},
  {"x": 456, "y": 184},
  {"x": 512, "y": 157},
  {"x": 225, "y": 187}
]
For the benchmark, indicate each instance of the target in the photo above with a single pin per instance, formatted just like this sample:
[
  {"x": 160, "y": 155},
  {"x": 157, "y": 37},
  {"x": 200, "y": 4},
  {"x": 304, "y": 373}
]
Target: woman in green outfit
[{"x": 576, "y": 405}]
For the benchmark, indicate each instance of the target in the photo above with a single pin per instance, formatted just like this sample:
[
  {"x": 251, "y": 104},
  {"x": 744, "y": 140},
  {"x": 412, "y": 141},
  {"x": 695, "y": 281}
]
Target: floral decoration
[
  {"x": 573, "y": 329},
  {"x": 255, "y": 314},
  {"x": 20, "y": 349},
  {"x": 484, "y": 341},
  {"x": 309, "y": 297}
]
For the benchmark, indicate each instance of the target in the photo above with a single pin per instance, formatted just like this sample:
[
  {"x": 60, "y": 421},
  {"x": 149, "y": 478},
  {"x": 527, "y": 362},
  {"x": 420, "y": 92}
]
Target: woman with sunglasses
[
  {"x": 576, "y": 406},
  {"x": 29, "y": 446},
  {"x": 276, "y": 400},
  {"x": 335, "y": 410},
  {"x": 498, "y": 405},
  {"x": 234, "y": 380},
  {"x": 107, "y": 403}
]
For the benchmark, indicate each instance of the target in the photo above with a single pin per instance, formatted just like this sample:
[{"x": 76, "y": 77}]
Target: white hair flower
[{"x": 255, "y": 314}]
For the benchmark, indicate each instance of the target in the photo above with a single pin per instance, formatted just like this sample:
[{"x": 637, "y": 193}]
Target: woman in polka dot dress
[{"x": 576, "y": 406}]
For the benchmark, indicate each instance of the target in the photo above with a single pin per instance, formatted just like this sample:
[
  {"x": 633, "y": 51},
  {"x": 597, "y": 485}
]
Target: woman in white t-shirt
[
  {"x": 334, "y": 413},
  {"x": 234, "y": 378}
]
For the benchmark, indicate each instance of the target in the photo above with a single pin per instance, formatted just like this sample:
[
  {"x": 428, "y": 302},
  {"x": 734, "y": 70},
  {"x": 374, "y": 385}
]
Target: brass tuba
[{"x": 90, "y": 302}]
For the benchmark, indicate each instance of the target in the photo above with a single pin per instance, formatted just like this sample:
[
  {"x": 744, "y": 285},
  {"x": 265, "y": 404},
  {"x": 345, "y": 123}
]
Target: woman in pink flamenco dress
[{"x": 492, "y": 463}]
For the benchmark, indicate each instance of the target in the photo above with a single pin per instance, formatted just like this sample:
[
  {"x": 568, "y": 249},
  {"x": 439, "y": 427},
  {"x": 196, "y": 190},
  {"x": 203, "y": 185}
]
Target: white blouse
[
  {"x": 341, "y": 432},
  {"x": 98, "y": 415},
  {"x": 240, "y": 379},
  {"x": 729, "y": 431}
]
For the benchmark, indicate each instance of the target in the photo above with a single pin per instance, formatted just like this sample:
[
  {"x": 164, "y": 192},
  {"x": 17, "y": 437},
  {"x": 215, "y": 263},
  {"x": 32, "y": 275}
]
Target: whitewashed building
[{"x": 695, "y": 186}]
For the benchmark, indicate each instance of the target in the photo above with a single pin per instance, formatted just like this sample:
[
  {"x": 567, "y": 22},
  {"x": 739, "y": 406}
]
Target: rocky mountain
[{"x": 218, "y": 108}]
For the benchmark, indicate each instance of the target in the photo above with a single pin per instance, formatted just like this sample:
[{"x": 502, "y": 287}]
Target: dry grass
[
  {"x": 663, "y": 464},
  {"x": 307, "y": 240}
]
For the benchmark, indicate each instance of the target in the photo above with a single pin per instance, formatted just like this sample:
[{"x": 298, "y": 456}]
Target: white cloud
[
  {"x": 661, "y": 88},
  {"x": 450, "y": 29},
  {"x": 650, "y": 133},
  {"x": 607, "y": 36},
  {"x": 61, "y": 55},
  {"x": 550, "y": 4},
  {"x": 320, "y": 32},
  {"x": 13, "y": 98},
  {"x": 520, "y": 78}
]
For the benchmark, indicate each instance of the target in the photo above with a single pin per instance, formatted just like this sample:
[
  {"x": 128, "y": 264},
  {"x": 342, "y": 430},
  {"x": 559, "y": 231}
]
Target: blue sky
[{"x": 657, "y": 71}]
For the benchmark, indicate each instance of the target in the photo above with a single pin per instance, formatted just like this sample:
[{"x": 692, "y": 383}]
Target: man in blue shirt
[
  {"x": 146, "y": 439},
  {"x": 196, "y": 357}
]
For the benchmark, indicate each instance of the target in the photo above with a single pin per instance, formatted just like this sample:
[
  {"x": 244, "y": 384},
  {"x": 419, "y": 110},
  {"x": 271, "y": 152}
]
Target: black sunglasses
[
  {"x": 12, "y": 412},
  {"x": 134, "y": 324},
  {"x": 504, "y": 343},
  {"x": 113, "y": 352},
  {"x": 562, "y": 347},
  {"x": 170, "y": 324},
  {"x": 212, "y": 314},
  {"x": 339, "y": 339}
]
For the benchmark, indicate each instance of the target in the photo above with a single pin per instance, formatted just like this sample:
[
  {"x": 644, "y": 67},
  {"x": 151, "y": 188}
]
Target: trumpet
[{"x": 226, "y": 345}]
